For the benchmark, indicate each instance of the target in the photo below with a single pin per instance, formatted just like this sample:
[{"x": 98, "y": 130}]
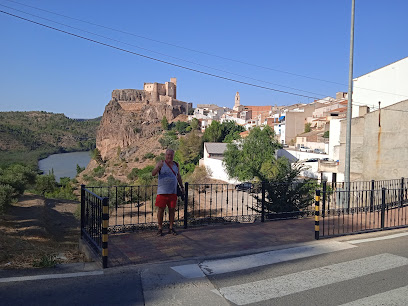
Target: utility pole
[{"x": 349, "y": 102}]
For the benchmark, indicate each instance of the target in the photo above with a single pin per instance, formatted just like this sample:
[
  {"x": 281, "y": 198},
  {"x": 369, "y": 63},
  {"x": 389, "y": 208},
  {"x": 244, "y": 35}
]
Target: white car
[{"x": 304, "y": 149}]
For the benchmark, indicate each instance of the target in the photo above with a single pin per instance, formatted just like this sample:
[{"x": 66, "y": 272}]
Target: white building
[
  {"x": 387, "y": 85},
  {"x": 212, "y": 161}
]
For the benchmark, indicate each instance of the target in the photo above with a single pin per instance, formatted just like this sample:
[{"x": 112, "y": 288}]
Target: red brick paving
[{"x": 145, "y": 247}]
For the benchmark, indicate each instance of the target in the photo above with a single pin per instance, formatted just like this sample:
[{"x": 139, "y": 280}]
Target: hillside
[{"x": 28, "y": 136}]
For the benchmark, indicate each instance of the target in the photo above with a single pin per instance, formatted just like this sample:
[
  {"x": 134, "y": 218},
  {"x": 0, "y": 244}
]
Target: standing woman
[{"x": 169, "y": 174}]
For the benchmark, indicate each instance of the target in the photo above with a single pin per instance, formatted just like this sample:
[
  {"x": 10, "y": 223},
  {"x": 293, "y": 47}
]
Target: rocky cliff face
[{"x": 130, "y": 119}]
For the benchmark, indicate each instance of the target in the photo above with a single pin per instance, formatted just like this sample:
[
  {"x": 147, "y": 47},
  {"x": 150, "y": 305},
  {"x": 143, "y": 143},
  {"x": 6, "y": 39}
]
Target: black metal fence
[
  {"x": 363, "y": 207},
  {"x": 132, "y": 207},
  {"x": 340, "y": 210},
  {"x": 94, "y": 222}
]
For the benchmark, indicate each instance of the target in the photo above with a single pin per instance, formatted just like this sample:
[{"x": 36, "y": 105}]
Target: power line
[
  {"x": 158, "y": 60},
  {"x": 191, "y": 62},
  {"x": 205, "y": 53},
  {"x": 174, "y": 45}
]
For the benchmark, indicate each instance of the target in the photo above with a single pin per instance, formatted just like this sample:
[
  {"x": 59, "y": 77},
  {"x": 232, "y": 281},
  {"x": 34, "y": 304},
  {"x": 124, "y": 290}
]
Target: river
[{"x": 64, "y": 164}]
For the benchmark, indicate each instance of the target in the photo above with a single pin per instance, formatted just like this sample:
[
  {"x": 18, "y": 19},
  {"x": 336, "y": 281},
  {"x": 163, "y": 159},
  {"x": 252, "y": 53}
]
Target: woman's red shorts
[{"x": 163, "y": 200}]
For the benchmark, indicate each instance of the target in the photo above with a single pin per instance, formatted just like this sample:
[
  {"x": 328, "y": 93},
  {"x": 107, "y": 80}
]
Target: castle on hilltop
[
  {"x": 158, "y": 90},
  {"x": 152, "y": 93}
]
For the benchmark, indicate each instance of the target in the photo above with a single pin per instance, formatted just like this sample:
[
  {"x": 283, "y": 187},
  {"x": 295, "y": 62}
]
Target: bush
[
  {"x": 79, "y": 169},
  {"x": 133, "y": 174},
  {"x": 159, "y": 157},
  {"x": 17, "y": 176},
  {"x": 45, "y": 183},
  {"x": 113, "y": 182},
  {"x": 99, "y": 171},
  {"x": 198, "y": 176},
  {"x": 64, "y": 181},
  {"x": 6, "y": 197},
  {"x": 149, "y": 156}
]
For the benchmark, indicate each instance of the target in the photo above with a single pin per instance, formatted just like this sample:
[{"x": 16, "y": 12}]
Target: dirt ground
[{"x": 39, "y": 232}]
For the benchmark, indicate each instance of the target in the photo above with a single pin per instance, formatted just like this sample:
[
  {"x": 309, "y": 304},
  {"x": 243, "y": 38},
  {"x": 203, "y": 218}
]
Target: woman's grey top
[{"x": 167, "y": 180}]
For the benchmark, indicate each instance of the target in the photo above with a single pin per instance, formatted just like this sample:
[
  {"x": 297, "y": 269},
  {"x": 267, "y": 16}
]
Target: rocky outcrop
[{"x": 130, "y": 119}]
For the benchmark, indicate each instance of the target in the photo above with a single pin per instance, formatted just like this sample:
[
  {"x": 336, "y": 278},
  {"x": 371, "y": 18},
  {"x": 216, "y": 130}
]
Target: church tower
[{"x": 237, "y": 105}]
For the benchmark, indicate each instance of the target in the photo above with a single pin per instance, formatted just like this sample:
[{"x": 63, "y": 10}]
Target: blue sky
[{"x": 288, "y": 44}]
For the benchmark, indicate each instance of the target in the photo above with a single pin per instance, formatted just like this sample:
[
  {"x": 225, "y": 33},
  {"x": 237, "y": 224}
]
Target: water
[{"x": 64, "y": 164}]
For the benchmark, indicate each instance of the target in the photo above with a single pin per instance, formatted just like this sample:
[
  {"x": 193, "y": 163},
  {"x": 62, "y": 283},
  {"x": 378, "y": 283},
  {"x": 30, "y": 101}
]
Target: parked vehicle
[
  {"x": 312, "y": 160},
  {"x": 245, "y": 186},
  {"x": 248, "y": 187},
  {"x": 318, "y": 151},
  {"x": 305, "y": 149}
]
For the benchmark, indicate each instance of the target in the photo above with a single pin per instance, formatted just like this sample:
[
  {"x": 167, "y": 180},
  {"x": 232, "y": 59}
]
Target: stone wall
[{"x": 379, "y": 144}]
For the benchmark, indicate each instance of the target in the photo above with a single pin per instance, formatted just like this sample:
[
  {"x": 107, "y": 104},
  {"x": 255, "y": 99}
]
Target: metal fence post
[
  {"x": 263, "y": 202},
  {"x": 372, "y": 197},
  {"x": 382, "y": 207},
  {"x": 82, "y": 207},
  {"x": 324, "y": 200},
  {"x": 185, "y": 204},
  {"x": 317, "y": 227},
  {"x": 402, "y": 191},
  {"x": 105, "y": 225}
]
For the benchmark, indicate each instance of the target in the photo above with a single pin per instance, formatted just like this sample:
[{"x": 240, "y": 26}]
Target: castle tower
[{"x": 171, "y": 88}]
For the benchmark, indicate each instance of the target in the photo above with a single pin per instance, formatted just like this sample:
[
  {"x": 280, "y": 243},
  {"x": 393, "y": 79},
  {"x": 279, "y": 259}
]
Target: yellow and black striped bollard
[
  {"x": 317, "y": 213},
  {"x": 105, "y": 224}
]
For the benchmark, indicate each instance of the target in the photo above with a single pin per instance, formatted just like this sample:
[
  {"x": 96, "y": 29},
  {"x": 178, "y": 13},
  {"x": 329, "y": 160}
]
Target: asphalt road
[{"x": 341, "y": 271}]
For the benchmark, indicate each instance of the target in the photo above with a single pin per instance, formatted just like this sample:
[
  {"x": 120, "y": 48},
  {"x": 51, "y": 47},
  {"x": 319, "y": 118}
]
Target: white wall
[
  {"x": 334, "y": 138},
  {"x": 217, "y": 170},
  {"x": 294, "y": 155},
  {"x": 387, "y": 84}
]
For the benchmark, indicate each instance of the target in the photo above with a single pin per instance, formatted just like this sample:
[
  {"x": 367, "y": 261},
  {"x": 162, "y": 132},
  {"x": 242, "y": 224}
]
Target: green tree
[
  {"x": 250, "y": 159},
  {"x": 254, "y": 159},
  {"x": 165, "y": 123},
  {"x": 6, "y": 197},
  {"x": 79, "y": 169},
  {"x": 190, "y": 148},
  {"x": 169, "y": 140},
  {"x": 326, "y": 134},
  {"x": 285, "y": 193},
  {"x": 181, "y": 127},
  {"x": 96, "y": 155},
  {"x": 19, "y": 177},
  {"x": 213, "y": 133},
  {"x": 308, "y": 127},
  {"x": 194, "y": 124},
  {"x": 230, "y": 131},
  {"x": 45, "y": 183}
]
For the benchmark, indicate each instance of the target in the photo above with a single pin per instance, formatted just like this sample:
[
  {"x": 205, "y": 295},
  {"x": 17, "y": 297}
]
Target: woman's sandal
[{"x": 159, "y": 232}]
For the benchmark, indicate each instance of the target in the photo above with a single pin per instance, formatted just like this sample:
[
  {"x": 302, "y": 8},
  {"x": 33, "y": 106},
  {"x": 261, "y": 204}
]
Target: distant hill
[{"x": 28, "y": 136}]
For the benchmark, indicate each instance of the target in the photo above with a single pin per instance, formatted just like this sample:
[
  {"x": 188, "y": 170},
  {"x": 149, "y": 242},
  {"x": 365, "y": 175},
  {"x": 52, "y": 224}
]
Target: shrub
[
  {"x": 133, "y": 174},
  {"x": 99, "y": 171},
  {"x": 113, "y": 182},
  {"x": 6, "y": 197},
  {"x": 45, "y": 183},
  {"x": 64, "y": 181},
  {"x": 159, "y": 157},
  {"x": 198, "y": 176},
  {"x": 79, "y": 169},
  {"x": 149, "y": 156}
]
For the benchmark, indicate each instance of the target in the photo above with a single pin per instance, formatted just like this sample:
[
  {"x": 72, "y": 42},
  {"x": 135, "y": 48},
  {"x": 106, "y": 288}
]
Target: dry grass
[{"x": 38, "y": 232}]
